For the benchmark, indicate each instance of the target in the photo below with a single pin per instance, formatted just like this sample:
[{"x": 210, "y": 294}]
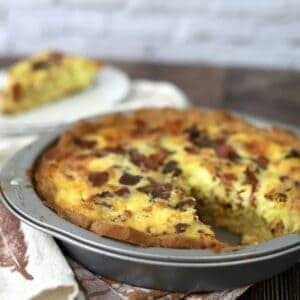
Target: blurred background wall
[{"x": 264, "y": 33}]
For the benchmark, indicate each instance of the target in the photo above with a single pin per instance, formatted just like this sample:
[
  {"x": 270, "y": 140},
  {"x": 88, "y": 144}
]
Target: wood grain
[{"x": 281, "y": 287}]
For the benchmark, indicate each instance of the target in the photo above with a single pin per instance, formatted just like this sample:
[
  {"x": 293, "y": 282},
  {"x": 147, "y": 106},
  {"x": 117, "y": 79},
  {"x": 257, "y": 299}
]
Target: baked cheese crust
[
  {"x": 161, "y": 177},
  {"x": 44, "y": 78}
]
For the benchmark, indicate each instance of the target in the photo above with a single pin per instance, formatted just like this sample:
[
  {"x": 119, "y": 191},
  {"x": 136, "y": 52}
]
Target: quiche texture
[
  {"x": 162, "y": 177},
  {"x": 44, "y": 78}
]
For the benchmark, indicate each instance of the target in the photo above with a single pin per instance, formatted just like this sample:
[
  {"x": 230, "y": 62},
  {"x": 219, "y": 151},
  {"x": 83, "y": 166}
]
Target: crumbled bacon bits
[
  {"x": 262, "y": 161},
  {"x": 224, "y": 150},
  {"x": 129, "y": 179},
  {"x": 171, "y": 167},
  {"x": 201, "y": 139},
  {"x": 198, "y": 137},
  {"x": 98, "y": 178},
  {"x": 157, "y": 190},
  {"x": 191, "y": 150},
  {"x": 151, "y": 162},
  {"x": 229, "y": 176}
]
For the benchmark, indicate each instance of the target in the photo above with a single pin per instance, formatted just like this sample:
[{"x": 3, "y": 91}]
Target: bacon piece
[
  {"x": 156, "y": 159},
  {"x": 98, "y": 178},
  {"x": 283, "y": 178},
  {"x": 262, "y": 161},
  {"x": 137, "y": 158},
  {"x": 129, "y": 179},
  {"x": 157, "y": 190},
  {"x": 229, "y": 176},
  {"x": 16, "y": 90},
  {"x": 171, "y": 167},
  {"x": 152, "y": 162},
  {"x": 224, "y": 150},
  {"x": 293, "y": 153},
  {"x": 191, "y": 150},
  {"x": 198, "y": 137}
]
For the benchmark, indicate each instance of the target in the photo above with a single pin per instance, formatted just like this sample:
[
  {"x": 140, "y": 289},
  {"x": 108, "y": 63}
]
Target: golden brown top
[{"x": 147, "y": 169}]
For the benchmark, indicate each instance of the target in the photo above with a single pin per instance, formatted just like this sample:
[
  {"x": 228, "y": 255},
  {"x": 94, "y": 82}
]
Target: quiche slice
[
  {"x": 45, "y": 78},
  {"x": 162, "y": 177}
]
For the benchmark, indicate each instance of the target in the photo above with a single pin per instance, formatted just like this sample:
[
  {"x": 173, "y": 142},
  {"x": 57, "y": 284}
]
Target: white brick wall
[{"x": 240, "y": 32}]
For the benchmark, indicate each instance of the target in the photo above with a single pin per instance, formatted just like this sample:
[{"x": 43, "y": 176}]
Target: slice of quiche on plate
[
  {"x": 44, "y": 78},
  {"x": 51, "y": 89}
]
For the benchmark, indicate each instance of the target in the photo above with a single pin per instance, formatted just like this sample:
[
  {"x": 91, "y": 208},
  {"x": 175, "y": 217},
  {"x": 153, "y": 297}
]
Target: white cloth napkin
[{"x": 31, "y": 264}]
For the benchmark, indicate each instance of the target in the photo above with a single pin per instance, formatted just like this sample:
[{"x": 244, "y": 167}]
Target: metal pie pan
[
  {"x": 18, "y": 191},
  {"x": 159, "y": 268}
]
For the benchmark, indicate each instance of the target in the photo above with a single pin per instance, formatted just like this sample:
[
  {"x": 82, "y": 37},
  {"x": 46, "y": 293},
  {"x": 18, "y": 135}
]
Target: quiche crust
[{"x": 161, "y": 177}]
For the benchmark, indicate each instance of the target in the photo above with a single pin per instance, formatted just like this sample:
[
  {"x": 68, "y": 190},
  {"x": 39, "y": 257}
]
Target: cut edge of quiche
[
  {"x": 44, "y": 78},
  {"x": 161, "y": 177}
]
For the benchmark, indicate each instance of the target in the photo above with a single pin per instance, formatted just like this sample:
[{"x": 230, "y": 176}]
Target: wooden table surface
[{"x": 272, "y": 94}]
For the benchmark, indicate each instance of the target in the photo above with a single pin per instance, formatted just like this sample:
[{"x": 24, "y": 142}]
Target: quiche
[
  {"x": 163, "y": 177},
  {"x": 44, "y": 78}
]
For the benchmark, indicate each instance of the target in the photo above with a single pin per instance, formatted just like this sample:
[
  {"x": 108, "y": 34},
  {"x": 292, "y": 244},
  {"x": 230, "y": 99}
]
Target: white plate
[{"x": 110, "y": 87}]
